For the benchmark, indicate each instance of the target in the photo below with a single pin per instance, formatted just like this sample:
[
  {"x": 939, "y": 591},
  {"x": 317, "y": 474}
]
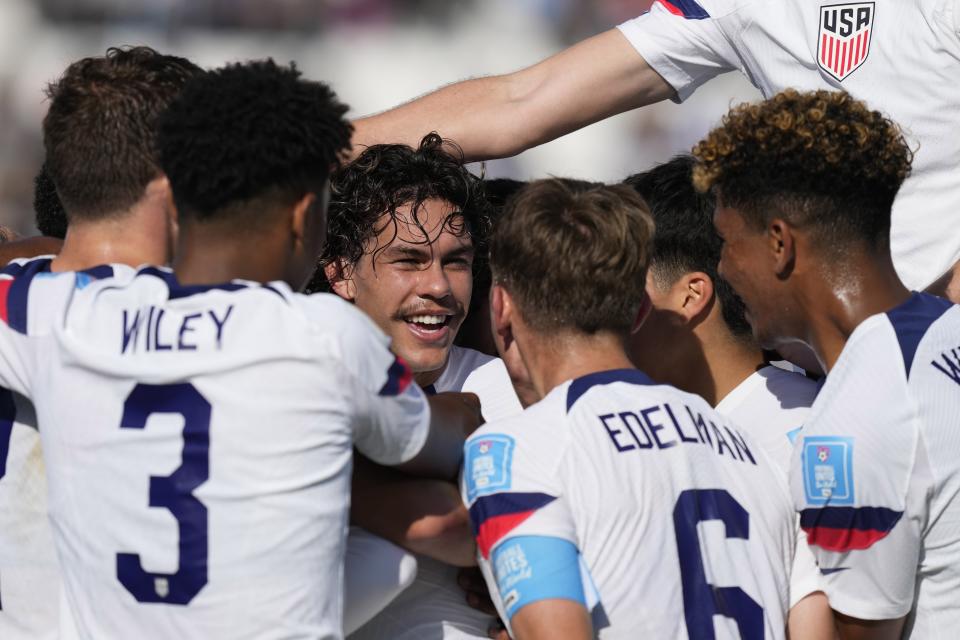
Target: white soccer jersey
[
  {"x": 876, "y": 471},
  {"x": 198, "y": 446},
  {"x": 901, "y": 57},
  {"x": 434, "y": 606},
  {"x": 683, "y": 525},
  {"x": 29, "y": 575},
  {"x": 771, "y": 406}
]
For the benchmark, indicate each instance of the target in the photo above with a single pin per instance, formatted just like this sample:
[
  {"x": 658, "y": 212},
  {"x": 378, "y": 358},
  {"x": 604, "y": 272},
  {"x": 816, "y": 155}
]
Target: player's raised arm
[{"x": 500, "y": 116}]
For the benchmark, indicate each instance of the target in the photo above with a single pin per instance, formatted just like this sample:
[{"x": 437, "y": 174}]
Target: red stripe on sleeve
[
  {"x": 494, "y": 529},
  {"x": 4, "y": 293},
  {"x": 843, "y": 539},
  {"x": 671, "y": 7}
]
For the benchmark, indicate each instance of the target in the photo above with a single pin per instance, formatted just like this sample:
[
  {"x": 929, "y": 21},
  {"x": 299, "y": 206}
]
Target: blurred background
[{"x": 375, "y": 53}]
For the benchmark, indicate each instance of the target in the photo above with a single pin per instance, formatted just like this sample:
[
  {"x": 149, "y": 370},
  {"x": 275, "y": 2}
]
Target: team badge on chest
[{"x": 843, "y": 42}]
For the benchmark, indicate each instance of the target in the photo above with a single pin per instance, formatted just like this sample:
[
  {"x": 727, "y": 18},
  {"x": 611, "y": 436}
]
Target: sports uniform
[
  {"x": 198, "y": 443},
  {"x": 29, "y": 574},
  {"x": 876, "y": 473},
  {"x": 637, "y": 500},
  {"x": 771, "y": 405},
  {"x": 901, "y": 57},
  {"x": 434, "y": 606}
]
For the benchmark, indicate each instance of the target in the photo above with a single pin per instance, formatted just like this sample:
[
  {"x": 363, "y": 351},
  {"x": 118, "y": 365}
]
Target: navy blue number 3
[
  {"x": 173, "y": 492},
  {"x": 702, "y": 600}
]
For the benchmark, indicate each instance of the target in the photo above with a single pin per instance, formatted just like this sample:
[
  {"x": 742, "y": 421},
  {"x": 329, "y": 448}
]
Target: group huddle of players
[{"x": 545, "y": 409}]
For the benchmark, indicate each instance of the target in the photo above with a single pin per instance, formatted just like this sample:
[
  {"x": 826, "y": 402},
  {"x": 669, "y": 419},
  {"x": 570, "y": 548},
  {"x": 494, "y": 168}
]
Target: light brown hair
[
  {"x": 573, "y": 255},
  {"x": 818, "y": 158}
]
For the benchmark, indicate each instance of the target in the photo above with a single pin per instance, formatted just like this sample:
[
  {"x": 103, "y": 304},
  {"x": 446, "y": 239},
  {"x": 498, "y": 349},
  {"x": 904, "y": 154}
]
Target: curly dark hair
[
  {"x": 574, "y": 255},
  {"x": 817, "y": 158},
  {"x": 365, "y": 196},
  {"x": 685, "y": 239},
  {"x": 100, "y": 130},
  {"x": 50, "y": 217},
  {"x": 245, "y": 131}
]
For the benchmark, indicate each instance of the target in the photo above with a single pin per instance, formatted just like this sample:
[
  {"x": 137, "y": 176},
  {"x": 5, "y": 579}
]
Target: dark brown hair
[
  {"x": 574, "y": 255},
  {"x": 365, "y": 196},
  {"x": 100, "y": 130},
  {"x": 818, "y": 158}
]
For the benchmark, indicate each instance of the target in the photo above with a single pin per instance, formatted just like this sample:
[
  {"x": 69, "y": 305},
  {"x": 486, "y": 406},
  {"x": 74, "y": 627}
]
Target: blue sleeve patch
[
  {"x": 533, "y": 568},
  {"x": 487, "y": 465},
  {"x": 828, "y": 470}
]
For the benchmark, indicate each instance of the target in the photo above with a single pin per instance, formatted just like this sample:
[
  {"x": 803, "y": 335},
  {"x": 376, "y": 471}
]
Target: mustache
[{"x": 424, "y": 308}]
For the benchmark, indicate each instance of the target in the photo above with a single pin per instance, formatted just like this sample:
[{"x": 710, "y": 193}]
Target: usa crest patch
[{"x": 843, "y": 42}]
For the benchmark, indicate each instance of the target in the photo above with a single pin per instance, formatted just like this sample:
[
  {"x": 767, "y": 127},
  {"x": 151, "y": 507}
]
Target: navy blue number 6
[
  {"x": 173, "y": 492},
  {"x": 702, "y": 600}
]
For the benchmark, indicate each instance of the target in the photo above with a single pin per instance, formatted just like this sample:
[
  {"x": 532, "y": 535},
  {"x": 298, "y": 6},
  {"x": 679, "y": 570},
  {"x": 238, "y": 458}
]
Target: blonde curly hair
[{"x": 818, "y": 157}]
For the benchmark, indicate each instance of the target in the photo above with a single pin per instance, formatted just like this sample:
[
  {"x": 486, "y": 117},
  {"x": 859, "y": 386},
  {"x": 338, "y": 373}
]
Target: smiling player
[
  {"x": 805, "y": 183},
  {"x": 407, "y": 228}
]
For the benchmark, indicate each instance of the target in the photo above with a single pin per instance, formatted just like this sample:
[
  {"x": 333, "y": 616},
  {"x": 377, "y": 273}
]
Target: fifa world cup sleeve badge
[
  {"x": 487, "y": 465},
  {"x": 828, "y": 470}
]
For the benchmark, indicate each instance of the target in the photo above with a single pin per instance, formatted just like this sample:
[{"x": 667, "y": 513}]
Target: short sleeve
[
  {"x": 857, "y": 482},
  {"x": 525, "y": 532},
  {"x": 686, "y": 41},
  {"x": 510, "y": 486},
  {"x": 391, "y": 416}
]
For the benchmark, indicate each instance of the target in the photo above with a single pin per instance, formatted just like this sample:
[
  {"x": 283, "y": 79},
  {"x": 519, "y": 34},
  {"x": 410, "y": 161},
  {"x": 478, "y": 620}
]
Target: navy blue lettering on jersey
[
  {"x": 950, "y": 366},
  {"x": 145, "y": 330},
  {"x": 657, "y": 428}
]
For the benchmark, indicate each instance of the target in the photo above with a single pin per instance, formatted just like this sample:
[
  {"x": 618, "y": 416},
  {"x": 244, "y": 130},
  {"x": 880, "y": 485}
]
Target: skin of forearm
[
  {"x": 422, "y": 516},
  {"x": 460, "y": 112}
]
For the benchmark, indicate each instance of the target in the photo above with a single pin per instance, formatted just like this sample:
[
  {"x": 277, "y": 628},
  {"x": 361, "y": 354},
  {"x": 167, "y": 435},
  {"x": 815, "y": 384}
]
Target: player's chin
[{"x": 427, "y": 358}]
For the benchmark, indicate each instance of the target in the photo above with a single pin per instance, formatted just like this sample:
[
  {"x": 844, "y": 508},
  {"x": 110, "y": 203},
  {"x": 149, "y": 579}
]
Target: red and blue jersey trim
[
  {"x": 493, "y": 517},
  {"x": 4, "y": 296},
  {"x": 848, "y": 528},
  {"x": 685, "y": 9},
  {"x": 399, "y": 377}
]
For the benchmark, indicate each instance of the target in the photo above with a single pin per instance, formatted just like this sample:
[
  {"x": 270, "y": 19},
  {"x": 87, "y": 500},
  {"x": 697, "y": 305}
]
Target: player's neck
[
  {"x": 843, "y": 297},
  {"x": 211, "y": 253},
  {"x": 727, "y": 363},
  {"x": 426, "y": 378},
  {"x": 138, "y": 235},
  {"x": 141, "y": 236},
  {"x": 565, "y": 356}
]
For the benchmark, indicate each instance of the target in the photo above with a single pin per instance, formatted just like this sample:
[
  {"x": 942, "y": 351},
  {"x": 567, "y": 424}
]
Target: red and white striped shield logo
[{"x": 844, "y": 39}]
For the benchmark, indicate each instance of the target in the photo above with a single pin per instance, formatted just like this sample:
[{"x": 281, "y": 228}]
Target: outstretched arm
[{"x": 501, "y": 116}]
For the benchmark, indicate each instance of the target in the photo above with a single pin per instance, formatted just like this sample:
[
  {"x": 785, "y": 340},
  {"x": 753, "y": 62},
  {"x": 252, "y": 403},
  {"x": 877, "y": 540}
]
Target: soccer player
[
  {"x": 614, "y": 506},
  {"x": 198, "y": 424},
  {"x": 805, "y": 183},
  {"x": 408, "y": 228},
  {"x": 678, "y": 45},
  {"x": 100, "y": 139},
  {"x": 697, "y": 339}
]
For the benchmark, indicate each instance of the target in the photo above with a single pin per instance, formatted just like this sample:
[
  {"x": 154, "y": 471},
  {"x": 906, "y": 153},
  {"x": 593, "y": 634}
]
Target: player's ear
[
  {"x": 303, "y": 226},
  {"x": 696, "y": 293},
  {"x": 501, "y": 309},
  {"x": 339, "y": 275},
  {"x": 646, "y": 306},
  {"x": 782, "y": 243},
  {"x": 171, "y": 216}
]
